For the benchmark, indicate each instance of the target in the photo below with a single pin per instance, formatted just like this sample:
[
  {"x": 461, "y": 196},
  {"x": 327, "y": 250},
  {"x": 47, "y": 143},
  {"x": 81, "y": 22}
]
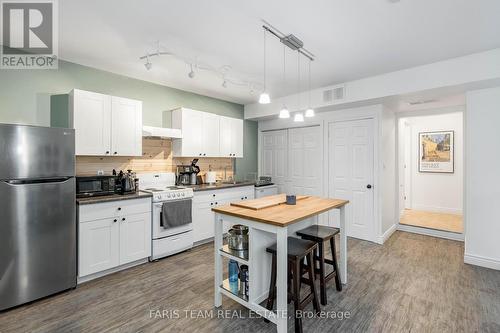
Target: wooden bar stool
[
  {"x": 320, "y": 234},
  {"x": 298, "y": 250}
]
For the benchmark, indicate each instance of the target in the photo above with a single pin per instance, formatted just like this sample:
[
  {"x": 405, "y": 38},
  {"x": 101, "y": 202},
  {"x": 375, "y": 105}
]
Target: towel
[{"x": 175, "y": 213}]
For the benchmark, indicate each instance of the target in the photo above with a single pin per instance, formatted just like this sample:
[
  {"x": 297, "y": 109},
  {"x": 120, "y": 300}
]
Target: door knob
[{"x": 368, "y": 186}]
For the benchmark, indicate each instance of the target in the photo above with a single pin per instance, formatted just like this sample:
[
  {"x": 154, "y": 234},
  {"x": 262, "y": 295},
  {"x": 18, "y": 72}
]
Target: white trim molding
[
  {"x": 382, "y": 239},
  {"x": 482, "y": 261},
  {"x": 431, "y": 232}
]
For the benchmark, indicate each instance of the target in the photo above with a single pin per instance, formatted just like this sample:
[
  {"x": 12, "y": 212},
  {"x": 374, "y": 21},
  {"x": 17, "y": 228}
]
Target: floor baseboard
[
  {"x": 382, "y": 239},
  {"x": 482, "y": 261},
  {"x": 431, "y": 232}
]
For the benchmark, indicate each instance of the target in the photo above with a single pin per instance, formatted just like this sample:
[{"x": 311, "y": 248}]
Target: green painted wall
[{"x": 26, "y": 97}]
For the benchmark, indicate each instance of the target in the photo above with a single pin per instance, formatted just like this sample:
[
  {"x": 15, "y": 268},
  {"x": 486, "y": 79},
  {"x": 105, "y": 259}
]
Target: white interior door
[
  {"x": 274, "y": 157},
  {"x": 350, "y": 169},
  {"x": 305, "y": 161}
]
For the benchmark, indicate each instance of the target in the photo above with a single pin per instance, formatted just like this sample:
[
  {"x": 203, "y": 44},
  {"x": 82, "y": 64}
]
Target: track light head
[
  {"x": 224, "y": 84},
  {"x": 148, "y": 65},
  {"x": 191, "y": 74}
]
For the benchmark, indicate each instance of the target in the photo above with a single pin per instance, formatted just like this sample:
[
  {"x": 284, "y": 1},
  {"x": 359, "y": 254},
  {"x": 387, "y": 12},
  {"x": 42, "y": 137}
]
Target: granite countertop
[
  {"x": 218, "y": 186},
  {"x": 113, "y": 197}
]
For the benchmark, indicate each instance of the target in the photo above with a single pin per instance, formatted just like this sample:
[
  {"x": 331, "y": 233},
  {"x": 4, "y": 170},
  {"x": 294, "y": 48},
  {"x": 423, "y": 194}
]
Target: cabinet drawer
[
  {"x": 224, "y": 194},
  {"x": 111, "y": 209}
]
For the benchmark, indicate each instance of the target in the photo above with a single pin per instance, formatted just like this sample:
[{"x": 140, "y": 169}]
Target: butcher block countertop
[{"x": 282, "y": 214}]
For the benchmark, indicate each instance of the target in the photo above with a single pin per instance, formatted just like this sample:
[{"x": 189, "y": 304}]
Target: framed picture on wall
[{"x": 437, "y": 152}]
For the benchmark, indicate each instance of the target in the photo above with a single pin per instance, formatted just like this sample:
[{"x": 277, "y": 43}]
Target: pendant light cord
[
  {"x": 284, "y": 70},
  {"x": 309, "y": 84},
  {"x": 265, "y": 60},
  {"x": 298, "y": 80}
]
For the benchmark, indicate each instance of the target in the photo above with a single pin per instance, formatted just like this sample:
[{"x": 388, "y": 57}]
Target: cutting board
[{"x": 265, "y": 202}]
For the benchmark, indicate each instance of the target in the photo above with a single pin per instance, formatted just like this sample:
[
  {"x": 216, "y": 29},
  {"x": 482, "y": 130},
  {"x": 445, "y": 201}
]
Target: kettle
[
  {"x": 238, "y": 238},
  {"x": 126, "y": 182}
]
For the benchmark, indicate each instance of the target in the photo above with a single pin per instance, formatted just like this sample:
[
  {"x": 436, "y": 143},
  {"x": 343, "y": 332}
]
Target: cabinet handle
[
  {"x": 119, "y": 208},
  {"x": 115, "y": 220},
  {"x": 107, "y": 152},
  {"x": 123, "y": 219},
  {"x": 213, "y": 195},
  {"x": 200, "y": 154},
  {"x": 204, "y": 154},
  {"x": 216, "y": 203},
  {"x": 246, "y": 197},
  {"x": 211, "y": 204}
]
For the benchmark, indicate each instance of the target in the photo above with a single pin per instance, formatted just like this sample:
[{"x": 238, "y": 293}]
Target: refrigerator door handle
[{"x": 37, "y": 181}]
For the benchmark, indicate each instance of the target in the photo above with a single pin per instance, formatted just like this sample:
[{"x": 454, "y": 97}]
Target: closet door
[
  {"x": 305, "y": 161},
  {"x": 351, "y": 168},
  {"x": 274, "y": 157}
]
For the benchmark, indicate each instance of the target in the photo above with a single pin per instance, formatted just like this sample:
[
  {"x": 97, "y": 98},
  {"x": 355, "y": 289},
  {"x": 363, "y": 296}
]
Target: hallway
[{"x": 430, "y": 220}]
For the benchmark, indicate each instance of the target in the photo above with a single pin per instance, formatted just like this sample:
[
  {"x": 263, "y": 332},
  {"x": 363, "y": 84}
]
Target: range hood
[{"x": 162, "y": 132}]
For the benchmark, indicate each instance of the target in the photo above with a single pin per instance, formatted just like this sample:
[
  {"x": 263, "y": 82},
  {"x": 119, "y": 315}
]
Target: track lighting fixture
[{"x": 191, "y": 74}]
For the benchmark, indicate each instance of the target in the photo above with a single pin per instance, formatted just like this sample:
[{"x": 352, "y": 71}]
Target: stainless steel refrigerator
[{"x": 37, "y": 213}]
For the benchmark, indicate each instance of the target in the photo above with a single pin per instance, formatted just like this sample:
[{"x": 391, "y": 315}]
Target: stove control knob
[
  {"x": 183, "y": 194},
  {"x": 168, "y": 195},
  {"x": 178, "y": 195},
  {"x": 158, "y": 197}
]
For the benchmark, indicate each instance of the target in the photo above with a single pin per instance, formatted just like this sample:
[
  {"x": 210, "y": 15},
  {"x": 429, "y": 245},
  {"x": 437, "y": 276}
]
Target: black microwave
[{"x": 95, "y": 186}]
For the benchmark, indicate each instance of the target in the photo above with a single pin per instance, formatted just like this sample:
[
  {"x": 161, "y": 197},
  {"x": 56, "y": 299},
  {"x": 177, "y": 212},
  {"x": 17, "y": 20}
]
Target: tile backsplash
[{"x": 156, "y": 157}]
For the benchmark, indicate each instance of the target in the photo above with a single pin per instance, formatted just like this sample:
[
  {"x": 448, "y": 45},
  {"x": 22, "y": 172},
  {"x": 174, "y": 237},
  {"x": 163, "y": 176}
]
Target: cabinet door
[
  {"x": 126, "y": 130},
  {"x": 98, "y": 246},
  {"x": 226, "y": 137},
  {"x": 92, "y": 122},
  {"x": 237, "y": 137},
  {"x": 203, "y": 221},
  {"x": 192, "y": 133},
  {"x": 135, "y": 237},
  {"x": 210, "y": 135}
]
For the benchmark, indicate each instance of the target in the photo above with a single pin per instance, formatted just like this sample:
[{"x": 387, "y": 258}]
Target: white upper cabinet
[
  {"x": 206, "y": 134},
  {"x": 126, "y": 127},
  {"x": 210, "y": 134},
  {"x": 105, "y": 125},
  {"x": 231, "y": 137},
  {"x": 91, "y": 119}
]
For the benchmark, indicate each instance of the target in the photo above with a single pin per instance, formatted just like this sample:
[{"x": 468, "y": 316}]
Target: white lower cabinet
[
  {"x": 113, "y": 234},
  {"x": 204, "y": 201},
  {"x": 99, "y": 246}
]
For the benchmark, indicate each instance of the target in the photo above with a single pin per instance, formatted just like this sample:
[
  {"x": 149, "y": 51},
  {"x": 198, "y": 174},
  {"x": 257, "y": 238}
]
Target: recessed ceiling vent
[{"x": 334, "y": 94}]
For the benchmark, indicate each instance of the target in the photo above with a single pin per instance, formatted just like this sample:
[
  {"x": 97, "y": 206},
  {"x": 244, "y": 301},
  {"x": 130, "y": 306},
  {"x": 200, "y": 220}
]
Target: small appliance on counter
[
  {"x": 126, "y": 182},
  {"x": 265, "y": 187},
  {"x": 188, "y": 174},
  {"x": 92, "y": 186},
  {"x": 263, "y": 181}
]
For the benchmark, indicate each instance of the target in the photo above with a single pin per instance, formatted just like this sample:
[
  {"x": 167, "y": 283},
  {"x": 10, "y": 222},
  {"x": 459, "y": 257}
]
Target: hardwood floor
[
  {"x": 413, "y": 283},
  {"x": 438, "y": 221}
]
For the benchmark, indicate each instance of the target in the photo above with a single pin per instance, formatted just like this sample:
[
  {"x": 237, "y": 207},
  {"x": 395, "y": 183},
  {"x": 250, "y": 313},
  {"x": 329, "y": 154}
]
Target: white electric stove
[{"x": 167, "y": 241}]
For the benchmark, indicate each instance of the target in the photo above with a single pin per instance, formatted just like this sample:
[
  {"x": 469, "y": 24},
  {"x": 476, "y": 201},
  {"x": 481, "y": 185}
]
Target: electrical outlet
[{"x": 100, "y": 172}]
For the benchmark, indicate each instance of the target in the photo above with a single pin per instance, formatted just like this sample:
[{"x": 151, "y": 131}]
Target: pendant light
[
  {"x": 264, "y": 96},
  {"x": 299, "y": 117},
  {"x": 310, "y": 110},
  {"x": 284, "y": 113}
]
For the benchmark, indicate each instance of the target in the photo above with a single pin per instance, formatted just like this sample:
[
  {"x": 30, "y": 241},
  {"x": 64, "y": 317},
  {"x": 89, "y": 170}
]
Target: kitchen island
[{"x": 269, "y": 221}]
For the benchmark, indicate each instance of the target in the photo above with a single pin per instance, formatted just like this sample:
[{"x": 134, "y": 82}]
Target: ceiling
[{"x": 351, "y": 38}]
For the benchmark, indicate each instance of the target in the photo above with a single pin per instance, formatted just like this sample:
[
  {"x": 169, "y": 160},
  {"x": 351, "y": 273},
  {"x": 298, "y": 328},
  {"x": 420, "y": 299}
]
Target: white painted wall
[
  {"x": 388, "y": 171},
  {"x": 436, "y": 192},
  {"x": 456, "y": 75},
  {"x": 482, "y": 185}
]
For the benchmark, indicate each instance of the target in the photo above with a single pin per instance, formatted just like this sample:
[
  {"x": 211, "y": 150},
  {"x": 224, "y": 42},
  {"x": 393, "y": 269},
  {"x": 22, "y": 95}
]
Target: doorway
[
  {"x": 351, "y": 174},
  {"x": 431, "y": 172}
]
